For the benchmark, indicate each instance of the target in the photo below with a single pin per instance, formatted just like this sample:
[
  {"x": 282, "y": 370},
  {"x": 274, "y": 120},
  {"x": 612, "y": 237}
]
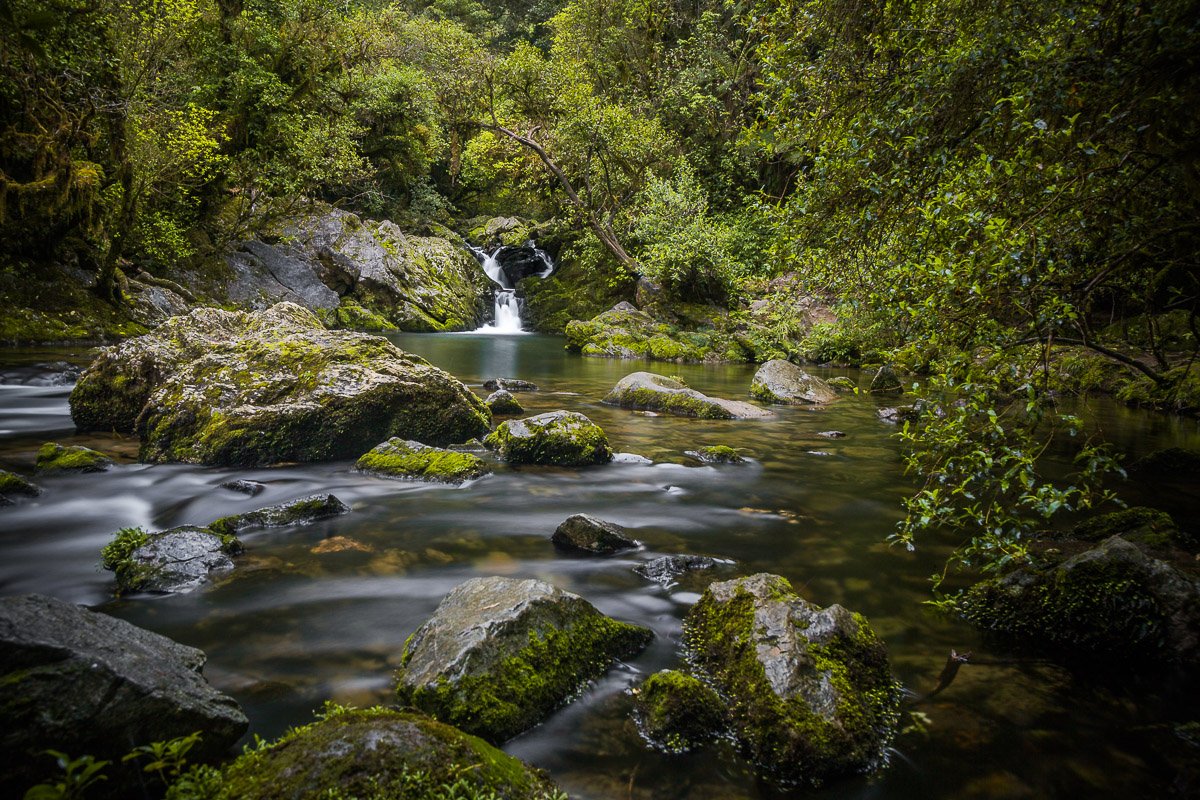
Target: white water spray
[{"x": 507, "y": 308}]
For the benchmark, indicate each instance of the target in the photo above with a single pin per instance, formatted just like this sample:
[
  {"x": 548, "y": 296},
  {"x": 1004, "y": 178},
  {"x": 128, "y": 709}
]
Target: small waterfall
[{"x": 506, "y": 318}]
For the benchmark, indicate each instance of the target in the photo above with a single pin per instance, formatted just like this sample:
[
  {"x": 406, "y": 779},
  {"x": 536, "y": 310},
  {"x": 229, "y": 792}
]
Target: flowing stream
[{"x": 306, "y": 617}]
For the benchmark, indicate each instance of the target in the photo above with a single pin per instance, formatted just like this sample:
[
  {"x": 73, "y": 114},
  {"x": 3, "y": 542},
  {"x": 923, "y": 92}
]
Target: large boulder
[
  {"x": 378, "y": 753},
  {"x": 556, "y": 438},
  {"x": 646, "y": 391},
  {"x": 782, "y": 381},
  {"x": 809, "y": 689},
  {"x": 82, "y": 682},
  {"x": 585, "y": 533},
  {"x": 238, "y": 388},
  {"x": 397, "y": 458},
  {"x": 499, "y": 654}
]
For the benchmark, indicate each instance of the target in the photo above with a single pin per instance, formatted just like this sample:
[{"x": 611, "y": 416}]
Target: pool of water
[{"x": 298, "y": 623}]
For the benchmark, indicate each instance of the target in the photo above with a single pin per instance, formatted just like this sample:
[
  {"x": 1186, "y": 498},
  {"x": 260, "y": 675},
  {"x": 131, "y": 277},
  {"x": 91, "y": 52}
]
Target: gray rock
[
  {"x": 235, "y": 388},
  {"x": 591, "y": 535},
  {"x": 897, "y": 414},
  {"x": 841, "y": 383},
  {"x": 252, "y": 488},
  {"x": 716, "y": 454},
  {"x": 556, "y": 438},
  {"x": 278, "y": 273},
  {"x": 781, "y": 381},
  {"x": 82, "y": 682},
  {"x": 665, "y": 569},
  {"x": 54, "y": 458},
  {"x": 886, "y": 381},
  {"x": 509, "y": 385},
  {"x": 501, "y": 402},
  {"x": 625, "y": 307},
  {"x": 176, "y": 561},
  {"x": 469, "y": 665},
  {"x": 647, "y": 391},
  {"x": 303, "y": 511}
]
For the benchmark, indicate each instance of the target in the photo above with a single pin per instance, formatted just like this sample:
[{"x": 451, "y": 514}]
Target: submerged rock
[
  {"x": 234, "y": 388},
  {"x": 13, "y": 484},
  {"x": 174, "y": 561},
  {"x": 665, "y": 569},
  {"x": 677, "y": 712},
  {"x": 592, "y": 535},
  {"x": 810, "y": 692},
  {"x": 782, "y": 381},
  {"x": 56, "y": 458},
  {"x": 648, "y": 391},
  {"x": 886, "y": 381},
  {"x": 502, "y": 403},
  {"x": 509, "y": 385},
  {"x": 252, "y": 488},
  {"x": 397, "y": 458},
  {"x": 831, "y": 434},
  {"x": 500, "y": 654},
  {"x": 716, "y": 454},
  {"x": 379, "y": 753},
  {"x": 556, "y": 438},
  {"x": 304, "y": 511},
  {"x": 83, "y": 682}
]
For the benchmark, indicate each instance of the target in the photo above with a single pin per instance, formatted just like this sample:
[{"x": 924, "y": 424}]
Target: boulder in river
[
  {"x": 55, "y": 458},
  {"x": 841, "y": 383},
  {"x": 647, "y": 391},
  {"x": 397, "y": 458},
  {"x": 509, "y": 385},
  {"x": 13, "y": 484},
  {"x": 780, "y": 381},
  {"x": 243, "y": 486},
  {"x": 886, "y": 381},
  {"x": 894, "y": 415},
  {"x": 677, "y": 712},
  {"x": 810, "y": 691},
  {"x": 82, "y": 682},
  {"x": 379, "y": 753},
  {"x": 716, "y": 454},
  {"x": 236, "y": 388},
  {"x": 502, "y": 403},
  {"x": 499, "y": 654},
  {"x": 664, "y": 569},
  {"x": 591, "y": 535},
  {"x": 556, "y": 438},
  {"x": 173, "y": 561},
  {"x": 303, "y": 511}
]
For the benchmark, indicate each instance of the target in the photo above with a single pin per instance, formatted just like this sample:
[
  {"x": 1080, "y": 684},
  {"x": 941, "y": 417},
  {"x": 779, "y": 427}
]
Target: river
[{"x": 298, "y": 623}]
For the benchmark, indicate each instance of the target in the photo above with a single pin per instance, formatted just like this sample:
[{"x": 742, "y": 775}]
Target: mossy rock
[
  {"x": 810, "y": 691},
  {"x": 647, "y": 391},
  {"x": 174, "y": 561},
  {"x": 886, "y": 381},
  {"x": 350, "y": 315},
  {"x": 1112, "y": 600},
  {"x": 556, "y": 438},
  {"x": 1141, "y": 525},
  {"x": 1178, "y": 463},
  {"x": 716, "y": 454},
  {"x": 841, "y": 383},
  {"x": 12, "y": 484},
  {"x": 303, "y": 511},
  {"x": 780, "y": 381},
  {"x": 397, "y": 458},
  {"x": 625, "y": 332},
  {"x": 56, "y": 458},
  {"x": 502, "y": 403},
  {"x": 500, "y": 654},
  {"x": 370, "y": 754},
  {"x": 677, "y": 712}
]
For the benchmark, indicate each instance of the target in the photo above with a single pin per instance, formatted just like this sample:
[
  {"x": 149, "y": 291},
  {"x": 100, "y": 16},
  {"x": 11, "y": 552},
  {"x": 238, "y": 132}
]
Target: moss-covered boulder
[
  {"x": 502, "y": 403},
  {"x": 56, "y": 458},
  {"x": 235, "y": 388},
  {"x": 302, "y": 511},
  {"x": 373, "y": 754},
  {"x": 500, "y": 654},
  {"x": 716, "y": 454},
  {"x": 646, "y": 391},
  {"x": 841, "y": 383},
  {"x": 677, "y": 712},
  {"x": 397, "y": 458},
  {"x": 625, "y": 332},
  {"x": 1111, "y": 600},
  {"x": 13, "y": 485},
  {"x": 810, "y": 691},
  {"x": 886, "y": 381},
  {"x": 587, "y": 534},
  {"x": 780, "y": 381},
  {"x": 556, "y": 438},
  {"x": 174, "y": 561},
  {"x": 509, "y": 385},
  {"x": 1140, "y": 525}
]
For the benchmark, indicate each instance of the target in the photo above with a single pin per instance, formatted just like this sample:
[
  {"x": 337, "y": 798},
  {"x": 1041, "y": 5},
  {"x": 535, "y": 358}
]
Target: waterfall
[{"x": 506, "y": 314}]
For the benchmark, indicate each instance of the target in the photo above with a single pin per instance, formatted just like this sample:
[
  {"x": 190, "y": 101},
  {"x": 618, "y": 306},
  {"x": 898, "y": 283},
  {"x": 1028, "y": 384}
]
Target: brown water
[{"x": 295, "y": 625}]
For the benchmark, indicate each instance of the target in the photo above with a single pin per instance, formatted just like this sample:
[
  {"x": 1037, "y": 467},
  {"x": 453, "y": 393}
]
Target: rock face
[
  {"x": 500, "y": 654},
  {"x": 1112, "y": 600},
  {"x": 303, "y": 511},
  {"x": 502, "y": 403},
  {"x": 175, "y": 561},
  {"x": 56, "y": 458},
  {"x": 646, "y": 391},
  {"x": 781, "y": 381},
  {"x": 235, "y": 388},
  {"x": 13, "y": 485},
  {"x": 397, "y": 458},
  {"x": 83, "y": 682},
  {"x": 810, "y": 692},
  {"x": 588, "y": 534},
  {"x": 379, "y": 753},
  {"x": 556, "y": 438},
  {"x": 677, "y": 712}
]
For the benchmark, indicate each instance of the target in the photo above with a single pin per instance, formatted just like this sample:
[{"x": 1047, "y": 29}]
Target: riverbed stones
[
  {"x": 810, "y": 692},
  {"x": 588, "y": 534},
  {"x": 13, "y": 486},
  {"x": 174, "y": 561},
  {"x": 647, "y": 391},
  {"x": 895, "y": 415},
  {"x": 235, "y": 388},
  {"x": 502, "y": 403},
  {"x": 397, "y": 458},
  {"x": 54, "y": 458},
  {"x": 499, "y": 654},
  {"x": 86, "y": 683},
  {"x": 556, "y": 438},
  {"x": 243, "y": 486},
  {"x": 302, "y": 511},
  {"x": 677, "y": 712},
  {"x": 780, "y": 381}
]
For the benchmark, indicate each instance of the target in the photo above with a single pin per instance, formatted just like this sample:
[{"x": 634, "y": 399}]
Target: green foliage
[
  {"x": 117, "y": 552},
  {"x": 168, "y": 759},
  {"x": 78, "y": 775}
]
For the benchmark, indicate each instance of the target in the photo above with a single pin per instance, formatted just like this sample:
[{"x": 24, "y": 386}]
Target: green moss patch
[
  {"x": 53, "y": 457},
  {"x": 13, "y": 484},
  {"x": 398, "y": 458},
  {"x": 557, "y": 438},
  {"x": 677, "y": 712}
]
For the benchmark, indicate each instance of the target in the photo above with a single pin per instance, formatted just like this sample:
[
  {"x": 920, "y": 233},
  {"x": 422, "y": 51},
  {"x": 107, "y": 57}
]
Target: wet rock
[
  {"x": 252, "y": 488},
  {"x": 83, "y": 682},
  {"x": 677, "y": 712},
  {"x": 1112, "y": 600},
  {"x": 781, "y": 381},
  {"x": 592, "y": 535},
  {"x": 1173, "y": 462},
  {"x": 665, "y": 569},
  {"x": 55, "y": 458},
  {"x": 509, "y": 385},
  {"x": 340, "y": 544},
  {"x": 174, "y": 561},
  {"x": 831, "y": 434},
  {"x": 647, "y": 391},
  {"x": 397, "y": 458},
  {"x": 716, "y": 454},
  {"x": 13, "y": 485},
  {"x": 886, "y": 381},
  {"x": 1140, "y": 525},
  {"x": 234, "y": 388},
  {"x": 898, "y": 414},
  {"x": 630, "y": 458},
  {"x": 500, "y": 654},
  {"x": 377, "y": 753},
  {"x": 304, "y": 511},
  {"x": 502, "y": 403},
  {"x": 560, "y": 438},
  {"x": 810, "y": 691},
  {"x": 841, "y": 384}
]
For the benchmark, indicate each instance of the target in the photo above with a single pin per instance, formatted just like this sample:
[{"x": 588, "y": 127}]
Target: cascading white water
[{"x": 507, "y": 308}]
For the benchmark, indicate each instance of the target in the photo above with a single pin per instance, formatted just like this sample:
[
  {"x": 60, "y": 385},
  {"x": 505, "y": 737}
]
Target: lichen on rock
[
  {"x": 556, "y": 438},
  {"x": 397, "y": 458},
  {"x": 502, "y": 403}
]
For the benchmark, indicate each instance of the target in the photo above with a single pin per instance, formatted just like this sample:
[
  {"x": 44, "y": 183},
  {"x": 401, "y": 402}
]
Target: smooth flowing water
[{"x": 305, "y": 617}]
